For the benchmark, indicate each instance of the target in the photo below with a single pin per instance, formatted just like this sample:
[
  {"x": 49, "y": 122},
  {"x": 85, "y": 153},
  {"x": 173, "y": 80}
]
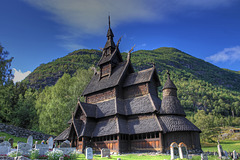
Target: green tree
[{"x": 55, "y": 104}]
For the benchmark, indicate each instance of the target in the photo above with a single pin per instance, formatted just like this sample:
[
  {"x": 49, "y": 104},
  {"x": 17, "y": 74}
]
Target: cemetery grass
[
  {"x": 142, "y": 157},
  {"x": 227, "y": 145},
  {"x": 16, "y": 139}
]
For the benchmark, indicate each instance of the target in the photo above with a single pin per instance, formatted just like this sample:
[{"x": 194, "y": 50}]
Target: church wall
[
  {"x": 169, "y": 92},
  {"x": 191, "y": 139},
  {"x": 101, "y": 96},
  {"x": 106, "y": 69},
  {"x": 135, "y": 90}
]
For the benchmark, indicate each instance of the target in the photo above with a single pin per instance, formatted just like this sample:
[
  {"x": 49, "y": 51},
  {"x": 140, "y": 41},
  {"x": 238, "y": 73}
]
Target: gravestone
[
  {"x": 204, "y": 156},
  {"x": 5, "y": 147},
  {"x": 220, "y": 150},
  {"x": 174, "y": 151},
  {"x": 234, "y": 155},
  {"x": 105, "y": 152},
  {"x": 226, "y": 154},
  {"x": 30, "y": 140},
  {"x": 61, "y": 158},
  {"x": 50, "y": 142},
  {"x": 43, "y": 148},
  {"x": 65, "y": 144},
  {"x": 183, "y": 153},
  {"x": 2, "y": 139},
  {"x": 10, "y": 140},
  {"x": 66, "y": 151},
  {"x": 89, "y": 153},
  {"x": 24, "y": 148}
]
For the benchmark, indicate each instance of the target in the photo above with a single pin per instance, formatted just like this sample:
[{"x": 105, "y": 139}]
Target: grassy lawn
[
  {"x": 227, "y": 145},
  {"x": 142, "y": 157},
  {"x": 16, "y": 139}
]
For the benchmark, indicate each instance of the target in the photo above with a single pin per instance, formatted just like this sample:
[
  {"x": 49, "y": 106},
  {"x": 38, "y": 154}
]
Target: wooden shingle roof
[
  {"x": 172, "y": 123},
  {"x": 144, "y": 124},
  {"x": 97, "y": 84},
  {"x": 171, "y": 105},
  {"x": 141, "y": 77},
  {"x": 63, "y": 136}
]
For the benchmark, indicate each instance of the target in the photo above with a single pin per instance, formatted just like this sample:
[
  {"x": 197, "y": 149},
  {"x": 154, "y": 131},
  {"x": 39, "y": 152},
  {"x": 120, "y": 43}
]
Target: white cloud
[
  {"x": 83, "y": 18},
  {"x": 226, "y": 55},
  {"x": 19, "y": 75}
]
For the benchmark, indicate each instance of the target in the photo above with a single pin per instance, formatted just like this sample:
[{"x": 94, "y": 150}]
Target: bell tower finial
[
  {"x": 109, "y": 22},
  {"x": 168, "y": 74}
]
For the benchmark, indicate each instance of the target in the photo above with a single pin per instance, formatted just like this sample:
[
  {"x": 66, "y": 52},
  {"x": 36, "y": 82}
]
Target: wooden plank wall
[
  {"x": 145, "y": 145},
  {"x": 112, "y": 145}
]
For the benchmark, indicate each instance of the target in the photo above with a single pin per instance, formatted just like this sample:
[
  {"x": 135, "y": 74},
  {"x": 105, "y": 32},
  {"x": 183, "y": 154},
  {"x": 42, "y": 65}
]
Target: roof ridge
[
  {"x": 158, "y": 122},
  {"x": 118, "y": 130},
  {"x": 151, "y": 100}
]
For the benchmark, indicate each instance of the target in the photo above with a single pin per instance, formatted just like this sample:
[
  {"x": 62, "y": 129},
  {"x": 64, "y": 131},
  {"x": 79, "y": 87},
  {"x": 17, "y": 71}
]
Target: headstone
[
  {"x": 220, "y": 150},
  {"x": 105, "y": 152},
  {"x": 226, "y": 154},
  {"x": 89, "y": 153},
  {"x": 21, "y": 158},
  {"x": 174, "y": 151},
  {"x": 61, "y": 158},
  {"x": 43, "y": 148},
  {"x": 234, "y": 155},
  {"x": 2, "y": 139},
  {"x": 50, "y": 142},
  {"x": 24, "y": 148},
  {"x": 118, "y": 158},
  {"x": 66, "y": 151},
  {"x": 30, "y": 140},
  {"x": 204, "y": 156},
  {"x": 183, "y": 153},
  {"x": 65, "y": 144},
  {"x": 10, "y": 140},
  {"x": 5, "y": 147}
]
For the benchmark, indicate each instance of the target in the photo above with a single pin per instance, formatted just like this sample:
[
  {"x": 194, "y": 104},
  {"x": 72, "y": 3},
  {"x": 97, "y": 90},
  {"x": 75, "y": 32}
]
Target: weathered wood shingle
[{"x": 172, "y": 123}]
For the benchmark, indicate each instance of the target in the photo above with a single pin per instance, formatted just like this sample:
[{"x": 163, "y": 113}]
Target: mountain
[{"x": 201, "y": 85}]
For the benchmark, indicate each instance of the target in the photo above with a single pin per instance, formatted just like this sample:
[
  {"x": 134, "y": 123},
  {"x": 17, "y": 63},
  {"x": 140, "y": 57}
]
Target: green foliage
[
  {"x": 5, "y": 71},
  {"x": 55, "y": 104}
]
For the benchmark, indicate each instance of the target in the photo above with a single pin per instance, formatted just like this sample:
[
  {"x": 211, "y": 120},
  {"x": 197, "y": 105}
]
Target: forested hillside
[{"x": 201, "y": 85}]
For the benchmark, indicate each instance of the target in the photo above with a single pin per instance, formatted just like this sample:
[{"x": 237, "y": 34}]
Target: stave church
[{"x": 122, "y": 110}]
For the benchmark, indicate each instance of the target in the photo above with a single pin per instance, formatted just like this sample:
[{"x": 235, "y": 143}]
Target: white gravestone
[
  {"x": 50, "y": 142},
  {"x": 183, "y": 153},
  {"x": 66, "y": 151},
  {"x": 234, "y": 155},
  {"x": 89, "y": 153},
  {"x": 5, "y": 147},
  {"x": 220, "y": 150},
  {"x": 24, "y": 148},
  {"x": 43, "y": 148},
  {"x": 30, "y": 140},
  {"x": 204, "y": 156},
  {"x": 174, "y": 151},
  {"x": 105, "y": 152}
]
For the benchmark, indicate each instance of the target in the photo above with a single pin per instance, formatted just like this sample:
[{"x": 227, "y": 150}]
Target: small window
[
  {"x": 157, "y": 135},
  {"x": 131, "y": 137}
]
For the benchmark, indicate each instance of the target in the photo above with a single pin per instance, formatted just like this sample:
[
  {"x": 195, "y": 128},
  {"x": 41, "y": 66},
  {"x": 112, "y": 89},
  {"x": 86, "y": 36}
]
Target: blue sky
[{"x": 39, "y": 31}]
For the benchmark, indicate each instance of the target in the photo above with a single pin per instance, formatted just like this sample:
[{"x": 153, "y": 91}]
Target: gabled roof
[
  {"x": 63, "y": 136},
  {"x": 171, "y": 105},
  {"x": 109, "y": 58},
  {"x": 97, "y": 84},
  {"x": 106, "y": 127},
  {"x": 172, "y": 123},
  {"x": 139, "y": 105},
  {"x": 141, "y": 77},
  {"x": 144, "y": 124},
  {"x": 106, "y": 108},
  {"x": 89, "y": 109}
]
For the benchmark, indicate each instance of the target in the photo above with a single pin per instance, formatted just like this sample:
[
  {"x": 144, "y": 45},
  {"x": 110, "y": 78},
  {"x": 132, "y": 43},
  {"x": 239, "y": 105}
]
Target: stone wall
[{"x": 21, "y": 132}]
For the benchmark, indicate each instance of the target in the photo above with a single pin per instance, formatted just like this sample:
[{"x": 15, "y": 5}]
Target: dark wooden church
[{"x": 122, "y": 110}]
